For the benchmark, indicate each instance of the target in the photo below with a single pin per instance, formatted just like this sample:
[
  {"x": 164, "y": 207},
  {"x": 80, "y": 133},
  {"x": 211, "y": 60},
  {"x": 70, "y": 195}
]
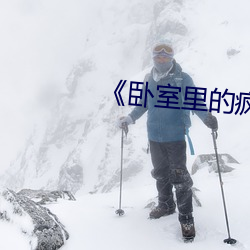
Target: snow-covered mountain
[
  {"x": 62, "y": 153},
  {"x": 78, "y": 146},
  {"x": 78, "y": 149}
]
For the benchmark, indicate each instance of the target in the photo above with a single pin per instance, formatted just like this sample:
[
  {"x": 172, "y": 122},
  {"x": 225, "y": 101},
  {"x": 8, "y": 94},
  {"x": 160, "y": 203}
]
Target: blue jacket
[{"x": 165, "y": 124}]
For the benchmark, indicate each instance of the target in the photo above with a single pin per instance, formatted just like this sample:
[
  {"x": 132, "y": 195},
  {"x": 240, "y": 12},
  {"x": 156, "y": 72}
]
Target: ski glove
[
  {"x": 124, "y": 119},
  {"x": 211, "y": 122}
]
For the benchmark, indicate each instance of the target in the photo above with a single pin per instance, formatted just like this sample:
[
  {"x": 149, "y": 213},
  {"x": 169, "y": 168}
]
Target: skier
[{"x": 166, "y": 133}]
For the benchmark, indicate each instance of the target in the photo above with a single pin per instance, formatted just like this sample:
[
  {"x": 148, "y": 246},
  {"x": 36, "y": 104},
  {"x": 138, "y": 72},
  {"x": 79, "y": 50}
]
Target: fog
[{"x": 40, "y": 42}]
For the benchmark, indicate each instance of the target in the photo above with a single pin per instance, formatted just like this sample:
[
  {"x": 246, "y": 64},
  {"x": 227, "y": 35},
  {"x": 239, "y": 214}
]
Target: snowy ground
[
  {"x": 93, "y": 224},
  {"x": 11, "y": 238}
]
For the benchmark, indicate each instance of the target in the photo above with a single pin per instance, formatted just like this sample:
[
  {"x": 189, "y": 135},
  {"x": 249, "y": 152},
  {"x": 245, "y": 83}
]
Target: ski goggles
[{"x": 163, "y": 50}]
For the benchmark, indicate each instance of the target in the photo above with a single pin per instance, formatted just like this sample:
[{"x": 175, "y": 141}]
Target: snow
[
  {"x": 94, "y": 224},
  {"x": 32, "y": 73},
  {"x": 12, "y": 235},
  {"x": 10, "y": 230}
]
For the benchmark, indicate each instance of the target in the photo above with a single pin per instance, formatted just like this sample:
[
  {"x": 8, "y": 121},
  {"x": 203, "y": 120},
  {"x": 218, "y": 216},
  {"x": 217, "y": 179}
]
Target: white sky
[{"x": 40, "y": 41}]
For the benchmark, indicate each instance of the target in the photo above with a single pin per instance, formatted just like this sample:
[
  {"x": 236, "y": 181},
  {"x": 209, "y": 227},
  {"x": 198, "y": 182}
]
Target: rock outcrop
[{"x": 43, "y": 229}]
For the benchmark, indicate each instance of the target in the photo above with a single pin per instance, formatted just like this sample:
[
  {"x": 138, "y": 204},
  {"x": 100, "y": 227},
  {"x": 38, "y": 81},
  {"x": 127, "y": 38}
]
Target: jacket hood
[{"x": 176, "y": 68}]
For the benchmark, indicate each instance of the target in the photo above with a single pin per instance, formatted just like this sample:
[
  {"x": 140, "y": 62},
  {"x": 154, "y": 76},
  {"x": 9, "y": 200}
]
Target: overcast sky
[{"x": 40, "y": 42}]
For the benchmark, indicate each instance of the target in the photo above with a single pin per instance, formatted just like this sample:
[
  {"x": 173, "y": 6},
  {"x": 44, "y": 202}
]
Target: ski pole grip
[{"x": 125, "y": 127}]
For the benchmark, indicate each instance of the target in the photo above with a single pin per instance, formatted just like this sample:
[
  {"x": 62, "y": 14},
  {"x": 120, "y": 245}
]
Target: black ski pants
[{"x": 169, "y": 162}]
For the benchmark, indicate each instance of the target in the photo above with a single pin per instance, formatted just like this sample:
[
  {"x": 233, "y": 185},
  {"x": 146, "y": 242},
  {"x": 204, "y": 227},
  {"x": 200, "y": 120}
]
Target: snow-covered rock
[
  {"x": 42, "y": 228},
  {"x": 43, "y": 197},
  {"x": 209, "y": 161}
]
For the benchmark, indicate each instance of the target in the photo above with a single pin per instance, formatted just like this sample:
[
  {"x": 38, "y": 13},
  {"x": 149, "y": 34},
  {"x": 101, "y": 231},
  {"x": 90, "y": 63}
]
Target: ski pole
[
  {"x": 229, "y": 240},
  {"x": 119, "y": 211}
]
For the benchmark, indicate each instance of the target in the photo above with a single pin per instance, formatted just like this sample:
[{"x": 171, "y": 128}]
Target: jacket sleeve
[
  {"x": 138, "y": 111},
  {"x": 202, "y": 114}
]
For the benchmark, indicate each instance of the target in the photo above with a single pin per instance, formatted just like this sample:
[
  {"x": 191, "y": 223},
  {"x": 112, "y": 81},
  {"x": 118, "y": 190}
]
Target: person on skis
[{"x": 166, "y": 129}]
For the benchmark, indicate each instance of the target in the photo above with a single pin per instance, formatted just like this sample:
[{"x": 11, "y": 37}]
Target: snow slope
[
  {"x": 94, "y": 225},
  {"x": 116, "y": 48}
]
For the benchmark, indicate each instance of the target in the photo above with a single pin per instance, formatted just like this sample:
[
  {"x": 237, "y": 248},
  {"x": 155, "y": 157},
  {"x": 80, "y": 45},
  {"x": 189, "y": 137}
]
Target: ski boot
[
  {"x": 160, "y": 211},
  {"x": 187, "y": 227}
]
